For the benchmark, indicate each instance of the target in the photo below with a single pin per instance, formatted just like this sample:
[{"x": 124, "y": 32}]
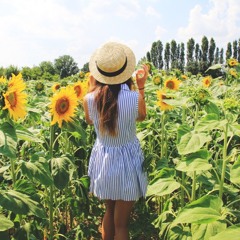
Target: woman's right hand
[{"x": 141, "y": 76}]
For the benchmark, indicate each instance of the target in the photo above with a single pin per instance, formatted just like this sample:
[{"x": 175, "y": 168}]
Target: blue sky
[{"x": 33, "y": 31}]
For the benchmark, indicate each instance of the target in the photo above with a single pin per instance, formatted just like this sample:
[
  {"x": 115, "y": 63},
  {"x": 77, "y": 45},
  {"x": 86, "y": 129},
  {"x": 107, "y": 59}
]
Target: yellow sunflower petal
[
  {"x": 172, "y": 83},
  {"x": 207, "y": 81},
  {"x": 63, "y": 105},
  {"x": 17, "y": 82},
  {"x": 15, "y": 103},
  {"x": 161, "y": 95}
]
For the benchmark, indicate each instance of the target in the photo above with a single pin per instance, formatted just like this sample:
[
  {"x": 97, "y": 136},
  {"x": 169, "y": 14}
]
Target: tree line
[
  {"x": 62, "y": 67},
  {"x": 195, "y": 58}
]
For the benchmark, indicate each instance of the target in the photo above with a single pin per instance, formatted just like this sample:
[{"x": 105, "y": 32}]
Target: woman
[{"x": 115, "y": 166}]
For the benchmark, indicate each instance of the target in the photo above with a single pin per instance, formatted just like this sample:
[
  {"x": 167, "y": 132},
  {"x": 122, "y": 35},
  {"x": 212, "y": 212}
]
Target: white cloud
[
  {"x": 160, "y": 32},
  {"x": 150, "y": 11},
  {"x": 221, "y": 22}
]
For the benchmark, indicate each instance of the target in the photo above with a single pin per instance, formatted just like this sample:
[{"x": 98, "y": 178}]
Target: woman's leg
[
  {"x": 108, "y": 221},
  {"x": 121, "y": 217}
]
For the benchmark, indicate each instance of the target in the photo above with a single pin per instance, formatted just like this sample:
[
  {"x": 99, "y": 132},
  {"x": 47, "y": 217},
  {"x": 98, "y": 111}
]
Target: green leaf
[
  {"x": 20, "y": 203},
  {"x": 197, "y": 161},
  {"x": 209, "y": 122},
  {"x": 215, "y": 67},
  {"x": 5, "y": 223},
  {"x": 192, "y": 142},
  {"x": 26, "y": 135},
  {"x": 206, "y": 209},
  {"x": 197, "y": 164},
  {"x": 205, "y": 231},
  {"x": 231, "y": 233},
  {"x": 211, "y": 107},
  {"x": 182, "y": 130},
  {"x": 235, "y": 172},
  {"x": 179, "y": 233},
  {"x": 37, "y": 171},
  {"x": 162, "y": 186},
  {"x": 61, "y": 171},
  {"x": 8, "y": 140}
]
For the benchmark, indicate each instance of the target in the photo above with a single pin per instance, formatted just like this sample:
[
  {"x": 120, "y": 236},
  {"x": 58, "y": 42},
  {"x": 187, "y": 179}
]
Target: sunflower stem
[
  {"x": 162, "y": 134},
  {"x": 12, "y": 161},
  {"x": 224, "y": 164},
  {"x": 51, "y": 190}
]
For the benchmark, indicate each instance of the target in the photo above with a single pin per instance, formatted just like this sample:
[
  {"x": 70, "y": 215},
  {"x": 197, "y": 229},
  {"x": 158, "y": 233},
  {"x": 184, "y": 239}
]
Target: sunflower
[
  {"x": 207, "y": 81},
  {"x": 63, "y": 105},
  {"x": 149, "y": 66},
  {"x": 3, "y": 80},
  {"x": 56, "y": 87},
  {"x": 161, "y": 95},
  {"x": 17, "y": 82},
  {"x": 157, "y": 79},
  {"x": 172, "y": 83},
  {"x": 232, "y": 62},
  {"x": 233, "y": 72},
  {"x": 184, "y": 77},
  {"x": 15, "y": 102},
  {"x": 81, "y": 75},
  {"x": 80, "y": 89},
  {"x": 39, "y": 86}
]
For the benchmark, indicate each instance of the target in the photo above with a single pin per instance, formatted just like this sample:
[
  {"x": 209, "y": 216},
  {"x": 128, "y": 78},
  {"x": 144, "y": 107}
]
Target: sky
[{"x": 33, "y": 31}]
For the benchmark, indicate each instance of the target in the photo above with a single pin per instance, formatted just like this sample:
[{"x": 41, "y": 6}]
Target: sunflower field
[{"x": 191, "y": 143}]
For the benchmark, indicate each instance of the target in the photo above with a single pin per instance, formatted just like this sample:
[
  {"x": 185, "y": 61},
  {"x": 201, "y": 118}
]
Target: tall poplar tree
[
  {"x": 167, "y": 56},
  {"x": 235, "y": 49},
  {"x": 173, "y": 54},
  {"x": 229, "y": 51},
  {"x": 211, "y": 51}
]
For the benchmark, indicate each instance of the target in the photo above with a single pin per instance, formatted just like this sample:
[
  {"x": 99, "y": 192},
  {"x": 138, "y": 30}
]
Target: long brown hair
[{"x": 106, "y": 100}]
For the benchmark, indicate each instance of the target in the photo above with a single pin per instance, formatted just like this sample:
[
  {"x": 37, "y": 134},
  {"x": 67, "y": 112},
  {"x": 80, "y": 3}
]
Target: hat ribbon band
[{"x": 112, "y": 74}]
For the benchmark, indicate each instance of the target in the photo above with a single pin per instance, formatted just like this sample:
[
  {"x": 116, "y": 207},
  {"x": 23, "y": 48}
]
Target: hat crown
[{"x": 111, "y": 58}]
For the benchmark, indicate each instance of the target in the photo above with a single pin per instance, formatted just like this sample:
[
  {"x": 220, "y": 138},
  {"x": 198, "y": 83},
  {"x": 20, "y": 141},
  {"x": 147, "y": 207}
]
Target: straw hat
[{"x": 113, "y": 63}]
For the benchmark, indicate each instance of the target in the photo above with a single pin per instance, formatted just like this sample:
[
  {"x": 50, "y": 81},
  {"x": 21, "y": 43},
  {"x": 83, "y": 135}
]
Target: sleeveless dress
[{"x": 115, "y": 165}]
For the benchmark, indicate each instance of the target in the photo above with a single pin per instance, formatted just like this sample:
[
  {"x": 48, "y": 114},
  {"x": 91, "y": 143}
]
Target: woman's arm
[
  {"x": 141, "y": 78},
  {"x": 85, "y": 106}
]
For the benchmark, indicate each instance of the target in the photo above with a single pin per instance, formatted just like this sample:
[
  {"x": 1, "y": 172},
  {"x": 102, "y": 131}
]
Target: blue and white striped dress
[{"x": 115, "y": 165}]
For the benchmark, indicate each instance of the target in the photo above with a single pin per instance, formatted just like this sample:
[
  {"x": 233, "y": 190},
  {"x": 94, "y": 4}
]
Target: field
[{"x": 191, "y": 144}]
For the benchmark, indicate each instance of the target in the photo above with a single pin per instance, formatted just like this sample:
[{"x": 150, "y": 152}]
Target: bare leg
[
  {"x": 122, "y": 213},
  {"x": 108, "y": 221}
]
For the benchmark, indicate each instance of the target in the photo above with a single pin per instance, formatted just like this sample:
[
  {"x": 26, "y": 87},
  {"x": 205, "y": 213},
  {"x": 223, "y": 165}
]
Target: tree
[
  {"x": 182, "y": 57},
  {"x": 211, "y": 51},
  {"x": 221, "y": 60},
  {"x": 47, "y": 67},
  {"x": 36, "y": 73},
  {"x": 65, "y": 66},
  {"x": 235, "y": 49},
  {"x": 85, "y": 67},
  {"x": 156, "y": 54},
  {"x": 238, "y": 51},
  {"x": 167, "y": 55},
  {"x": 148, "y": 56},
  {"x": 11, "y": 70},
  {"x": 2, "y": 70},
  {"x": 204, "y": 62},
  {"x": 26, "y": 73},
  {"x": 192, "y": 65},
  {"x": 217, "y": 57},
  {"x": 229, "y": 51},
  {"x": 173, "y": 54}
]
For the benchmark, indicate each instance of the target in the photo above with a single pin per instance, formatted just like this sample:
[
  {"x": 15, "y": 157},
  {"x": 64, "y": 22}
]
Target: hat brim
[{"x": 122, "y": 77}]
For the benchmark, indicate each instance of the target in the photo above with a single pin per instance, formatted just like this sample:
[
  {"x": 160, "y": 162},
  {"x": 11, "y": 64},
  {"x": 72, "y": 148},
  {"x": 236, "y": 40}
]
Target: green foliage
[{"x": 65, "y": 66}]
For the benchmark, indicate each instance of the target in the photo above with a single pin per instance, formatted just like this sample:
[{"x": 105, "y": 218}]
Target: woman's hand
[{"x": 141, "y": 76}]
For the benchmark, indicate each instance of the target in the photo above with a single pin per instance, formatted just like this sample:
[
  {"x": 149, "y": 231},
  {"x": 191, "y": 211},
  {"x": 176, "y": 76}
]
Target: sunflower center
[
  {"x": 62, "y": 105},
  {"x": 78, "y": 90},
  {"x": 12, "y": 99},
  {"x": 170, "y": 84}
]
